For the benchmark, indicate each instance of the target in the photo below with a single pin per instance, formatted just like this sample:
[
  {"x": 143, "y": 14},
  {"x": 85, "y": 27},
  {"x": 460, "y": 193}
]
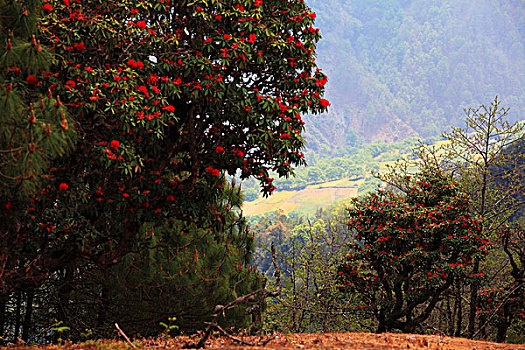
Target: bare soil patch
[{"x": 302, "y": 341}]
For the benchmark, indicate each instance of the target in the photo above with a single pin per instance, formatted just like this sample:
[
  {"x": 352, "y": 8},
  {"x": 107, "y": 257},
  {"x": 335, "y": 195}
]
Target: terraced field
[{"x": 305, "y": 201}]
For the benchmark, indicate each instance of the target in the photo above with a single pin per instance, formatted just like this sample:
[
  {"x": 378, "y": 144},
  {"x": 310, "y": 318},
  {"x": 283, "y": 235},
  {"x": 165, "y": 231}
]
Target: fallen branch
[
  {"x": 125, "y": 336},
  {"x": 261, "y": 293}
]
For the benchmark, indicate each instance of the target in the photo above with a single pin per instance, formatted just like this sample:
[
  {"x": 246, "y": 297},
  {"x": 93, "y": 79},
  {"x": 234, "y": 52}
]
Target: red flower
[
  {"x": 135, "y": 64},
  {"x": 114, "y": 144},
  {"x": 116, "y": 78},
  {"x": 214, "y": 172},
  {"x": 324, "y": 102},
  {"x": 227, "y": 36},
  {"x": 9, "y": 205},
  {"x": 31, "y": 79},
  {"x": 219, "y": 149},
  {"x": 48, "y": 8},
  {"x": 141, "y": 24},
  {"x": 63, "y": 186}
]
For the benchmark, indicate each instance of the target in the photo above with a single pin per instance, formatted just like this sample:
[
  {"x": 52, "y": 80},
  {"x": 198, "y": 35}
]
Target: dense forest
[{"x": 132, "y": 132}]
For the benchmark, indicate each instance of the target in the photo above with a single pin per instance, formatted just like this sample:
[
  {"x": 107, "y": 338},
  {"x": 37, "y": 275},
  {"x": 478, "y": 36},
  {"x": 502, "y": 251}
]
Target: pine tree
[
  {"x": 35, "y": 126},
  {"x": 175, "y": 270}
]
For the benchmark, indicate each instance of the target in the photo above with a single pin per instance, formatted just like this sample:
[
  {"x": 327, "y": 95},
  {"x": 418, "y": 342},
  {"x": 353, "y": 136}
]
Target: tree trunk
[
  {"x": 294, "y": 312},
  {"x": 458, "y": 308},
  {"x": 381, "y": 328},
  {"x": 474, "y": 289},
  {"x": 63, "y": 294},
  {"x": 450, "y": 317},
  {"x": 502, "y": 332},
  {"x": 3, "y": 318},
  {"x": 17, "y": 316},
  {"x": 503, "y": 325},
  {"x": 27, "y": 316}
]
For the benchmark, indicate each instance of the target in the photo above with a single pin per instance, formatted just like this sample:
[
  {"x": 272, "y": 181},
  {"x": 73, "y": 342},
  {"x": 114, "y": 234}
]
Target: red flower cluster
[
  {"x": 31, "y": 79},
  {"x": 48, "y": 8},
  {"x": 212, "y": 171},
  {"x": 135, "y": 64},
  {"x": 114, "y": 144},
  {"x": 324, "y": 102}
]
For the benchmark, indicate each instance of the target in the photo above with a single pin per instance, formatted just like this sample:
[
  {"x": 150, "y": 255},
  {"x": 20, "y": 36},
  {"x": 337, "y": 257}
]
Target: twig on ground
[{"x": 125, "y": 336}]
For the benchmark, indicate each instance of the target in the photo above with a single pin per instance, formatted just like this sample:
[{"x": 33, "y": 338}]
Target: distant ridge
[{"x": 401, "y": 68}]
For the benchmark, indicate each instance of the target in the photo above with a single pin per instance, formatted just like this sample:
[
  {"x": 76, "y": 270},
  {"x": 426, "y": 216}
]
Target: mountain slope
[{"x": 400, "y": 68}]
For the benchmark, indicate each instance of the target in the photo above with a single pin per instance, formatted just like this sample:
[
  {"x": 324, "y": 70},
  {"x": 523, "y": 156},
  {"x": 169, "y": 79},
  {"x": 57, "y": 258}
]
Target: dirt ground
[{"x": 301, "y": 341}]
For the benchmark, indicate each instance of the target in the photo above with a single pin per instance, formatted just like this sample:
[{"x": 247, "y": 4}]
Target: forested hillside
[{"x": 400, "y": 68}]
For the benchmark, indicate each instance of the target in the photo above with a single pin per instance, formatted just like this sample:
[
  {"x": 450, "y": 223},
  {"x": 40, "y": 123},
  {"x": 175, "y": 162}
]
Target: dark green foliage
[
  {"x": 174, "y": 269},
  {"x": 502, "y": 303}
]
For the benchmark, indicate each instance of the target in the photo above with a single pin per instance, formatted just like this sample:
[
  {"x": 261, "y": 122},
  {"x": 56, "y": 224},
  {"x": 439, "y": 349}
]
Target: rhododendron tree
[
  {"x": 168, "y": 97},
  {"x": 188, "y": 78},
  {"x": 410, "y": 247}
]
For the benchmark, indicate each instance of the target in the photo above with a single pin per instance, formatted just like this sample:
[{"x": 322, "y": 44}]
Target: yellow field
[{"x": 305, "y": 201}]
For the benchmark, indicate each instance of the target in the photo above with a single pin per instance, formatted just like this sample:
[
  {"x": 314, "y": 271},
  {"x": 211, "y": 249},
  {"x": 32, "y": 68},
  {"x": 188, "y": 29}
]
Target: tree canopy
[
  {"x": 167, "y": 98},
  {"x": 409, "y": 248}
]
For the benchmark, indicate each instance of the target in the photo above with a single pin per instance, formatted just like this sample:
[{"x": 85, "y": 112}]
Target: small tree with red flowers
[{"x": 410, "y": 247}]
